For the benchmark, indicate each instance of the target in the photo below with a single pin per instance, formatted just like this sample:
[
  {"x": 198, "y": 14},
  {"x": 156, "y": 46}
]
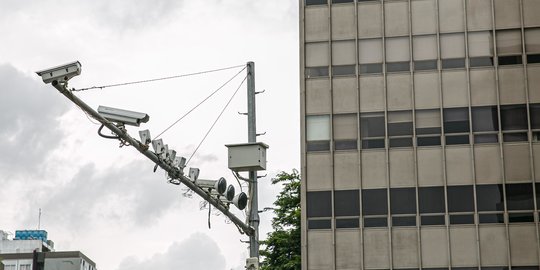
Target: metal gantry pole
[
  {"x": 173, "y": 172},
  {"x": 252, "y": 137}
]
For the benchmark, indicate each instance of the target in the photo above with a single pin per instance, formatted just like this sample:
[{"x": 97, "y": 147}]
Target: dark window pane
[
  {"x": 375, "y": 222},
  {"x": 456, "y": 120},
  {"x": 319, "y": 224},
  {"x": 401, "y": 142},
  {"x": 431, "y": 199},
  {"x": 491, "y": 218},
  {"x": 425, "y": 65},
  {"x": 486, "y": 138},
  {"x": 312, "y": 72},
  {"x": 464, "y": 268},
  {"x": 533, "y": 58},
  {"x": 515, "y": 137},
  {"x": 513, "y": 117},
  {"x": 460, "y": 199},
  {"x": 374, "y": 202},
  {"x": 519, "y": 197},
  {"x": 485, "y": 118},
  {"x": 319, "y": 204},
  {"x": 489, "y": 197},
  {"x": 372, "y": 125},
  {"x": 346, "y": 202},
  {"x": 345, "y": 145},
  {"x": 347, "y": 223},
  {"x": 510, "y": 60},
  {"x": 342, "y": 1},
  {"x": 370, "y": 68},
  {"x": 318, "y": 146},
  {"x": 453, "y": 63},
  {"x": 462, "y": 219},
  {"x": 481, "y": 61},
  {"x": 428, "y": 141},
  {"x": 520, "y": 217},
  {"x": 495, "y": 267},
  {"x": 344, "y": 70},
  {"x": 315, "y": 2},
  {"x": 397, "y": 66},
  {"x": 403, "y": 221},
  {"x": 400, "y": 128},
  {"x": 431, "y": 130},
  {"x": 537, "y": 186},
  {"x": 460, "y": 139},
  {"x": 432, "y": 220},
  {"x": 535, "y": 115},
  {"x": 370, "y": 144},
  {"x": 403, "y": 201},
  {"x": 525, "y": 267}
]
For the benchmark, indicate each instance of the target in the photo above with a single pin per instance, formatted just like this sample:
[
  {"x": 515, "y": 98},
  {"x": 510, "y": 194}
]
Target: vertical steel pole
[{"x": 252, "y": 137}]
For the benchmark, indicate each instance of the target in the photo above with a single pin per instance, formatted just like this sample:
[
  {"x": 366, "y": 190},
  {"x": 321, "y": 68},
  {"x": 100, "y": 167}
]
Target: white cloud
[{"x": 198, "y": 252}]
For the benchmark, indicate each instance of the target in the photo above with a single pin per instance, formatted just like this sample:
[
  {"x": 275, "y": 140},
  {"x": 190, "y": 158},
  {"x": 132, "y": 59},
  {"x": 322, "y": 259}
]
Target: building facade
[{"x": 420, "y": 134}]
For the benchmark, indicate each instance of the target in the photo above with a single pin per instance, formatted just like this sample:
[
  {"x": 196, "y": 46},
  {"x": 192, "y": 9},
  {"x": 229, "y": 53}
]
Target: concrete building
[
  {"x": 31, "y": 250},
  {"x": 420, "y": 134}
]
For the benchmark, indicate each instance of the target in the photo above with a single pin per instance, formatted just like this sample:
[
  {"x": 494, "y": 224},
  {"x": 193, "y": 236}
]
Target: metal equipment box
[{"x": 247, "y": 156}]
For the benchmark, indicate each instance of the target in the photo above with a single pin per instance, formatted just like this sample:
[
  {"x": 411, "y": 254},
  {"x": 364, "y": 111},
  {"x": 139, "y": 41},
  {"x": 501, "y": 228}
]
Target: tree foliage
[{"x": 282, "y": 247}]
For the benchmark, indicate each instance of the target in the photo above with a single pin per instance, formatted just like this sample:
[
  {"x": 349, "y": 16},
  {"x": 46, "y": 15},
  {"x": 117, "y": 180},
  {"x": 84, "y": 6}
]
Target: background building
[
  {"x": 420, "y": 131},
  {"x": 31, "y": 250}
]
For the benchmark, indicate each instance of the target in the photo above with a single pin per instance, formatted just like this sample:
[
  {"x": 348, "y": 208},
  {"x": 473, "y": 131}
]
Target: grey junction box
[{"x": 247, "y": 156}]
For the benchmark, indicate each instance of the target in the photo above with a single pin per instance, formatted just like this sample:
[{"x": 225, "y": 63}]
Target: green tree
[{"x": 282, "y": 246}]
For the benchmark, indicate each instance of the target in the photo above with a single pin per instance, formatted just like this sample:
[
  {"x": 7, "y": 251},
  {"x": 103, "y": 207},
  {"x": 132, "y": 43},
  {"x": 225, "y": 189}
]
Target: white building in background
[{"x": 32, "y": 248}]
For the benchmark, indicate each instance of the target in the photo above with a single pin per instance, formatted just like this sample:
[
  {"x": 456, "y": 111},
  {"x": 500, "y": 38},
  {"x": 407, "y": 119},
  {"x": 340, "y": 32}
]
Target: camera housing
[
  {"x": 60, "y": 74},
  {"x": 123, "y": 116}
]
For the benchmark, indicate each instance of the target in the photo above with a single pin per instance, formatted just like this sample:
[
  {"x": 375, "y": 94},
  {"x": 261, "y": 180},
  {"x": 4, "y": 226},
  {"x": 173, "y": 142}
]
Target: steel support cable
[
  {"x": 204, "y": 100},
  {"x": 157, "y": 79},
  {"x": 217, "y": 119}
]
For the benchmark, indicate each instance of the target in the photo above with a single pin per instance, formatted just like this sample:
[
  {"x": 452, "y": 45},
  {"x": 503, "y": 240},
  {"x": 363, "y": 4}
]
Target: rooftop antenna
[{"x": 39, "y": 219}]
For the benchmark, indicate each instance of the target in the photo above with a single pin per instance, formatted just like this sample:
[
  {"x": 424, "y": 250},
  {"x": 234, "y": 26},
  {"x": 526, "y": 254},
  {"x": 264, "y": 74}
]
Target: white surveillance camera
[
  {"x": 145, "y": 137},
  {"x": 172, "y": 156},
  {"x": 193, "y": 174},
  {"x": 220, "y": 186},
  {"x": 60, "y": 74},
  {"x": 123, "y": 116},
  {"x": 158, "y": 146},
  {"x": 179, "y": 162}
]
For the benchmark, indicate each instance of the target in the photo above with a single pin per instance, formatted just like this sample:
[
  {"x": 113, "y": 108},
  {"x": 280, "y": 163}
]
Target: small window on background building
[
  {"x": 535, "y": 115},
  {"x": 485, "y": 118},
  {"x": 431, "y": 199},
  {"x": 480, "y": 48},
  {"x": 403, "y": 201},
  {"x": 345, "y": 131},
  {"x": 314, "y": 72},
  {"x": 317, "y": 224},
  {"x": 425, "y": 52},
  {"x": 460, "y": 199},
  {"x": 342, "y": 1},
  {"x": 452, "y": 50},
  {"x": 372, "y": 130},
  {"x": 344, "y": 70},
  {"x": 347, "y": 202},
  {"x": 514, "y": 117},
  {"x": 400, "y": 128},
  {"x": 318, "y": 132},
  {"x": 370, "y": 56},
  {"x": 532, "y": 45},
  {"x": 347, "y": 223},
  {"x": 397, "y": 54},
  {"x": 509, "y": 47},
  {"x": 519, "y": 197},
  {"x": 456, "y": 120}
]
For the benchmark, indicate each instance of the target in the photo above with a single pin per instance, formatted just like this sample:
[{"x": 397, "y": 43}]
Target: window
[
  {"x": 403, "y": 221},
  {"x": 514, "y": 123},
  {"x": 480, "y": 48},
  {"x": 532, "y": 45},
  {"x": 489, "y": 198},
  {"x": 315, "y": 2},
  {"x": 346, "y": 203},
  {"x": 485, "y": 124},
  {"x": 346, "y": 223},
  {"x": 509, "y": 47},
  {"x": 400, "y": 128},
  {"x": 374, "y": 202},
  {"x": 342, "y": 1},
  {"x": 313, "y": 72},
  {"x": 25, "y": 267},
  {"x": 372, "y": 130},
  {"x": 460, "y": 199},
  {"x": 403, "y": 201},
  {"x": 343, "y": 58},
  {"x": 428, "y": 127},
  {"x": 462, "y": 219},
  {"x": 319, "y": 224},
  {"x": 452, "y": 50},
  {"x": 318, "y": 132},
  {"x": 519, "y": 197},
  {"x": 397, "y": 54},
  {"x": 370, "y": 55},
  {"x": 344, "y": 70},
  {"x": 319, "y": 204},
  {"x": 535, "y": 115},
  {"x": 456, "y": 120},
  {"x": 317, "y": 59},
  {"x": 431, "y": 199},
  {"x": 345, "y": 131}
]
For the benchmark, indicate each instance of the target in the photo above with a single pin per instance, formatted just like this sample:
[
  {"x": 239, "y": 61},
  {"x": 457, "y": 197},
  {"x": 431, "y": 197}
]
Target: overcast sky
[{"x": 104, "y": 200}]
